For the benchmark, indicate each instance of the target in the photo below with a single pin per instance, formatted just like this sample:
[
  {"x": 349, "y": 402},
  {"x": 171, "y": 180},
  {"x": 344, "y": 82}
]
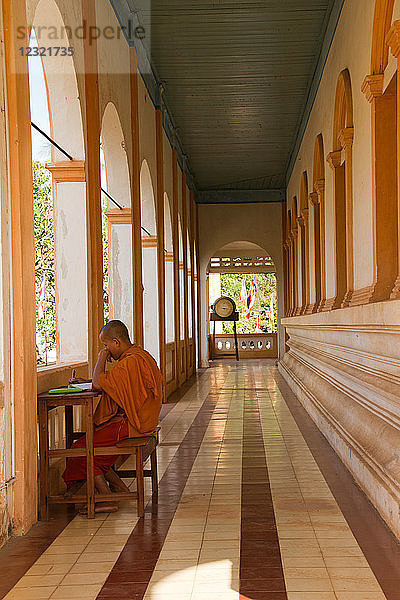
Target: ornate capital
[
  {"x": 392, "y": 39},
  {"x": 334, "y": 159},
  {"x": 169, "y": 257},
  {"x": 319, "y": 186},
  {"x": 304, "y": 214},
  {"x": 346, "y": 136},
  {"x": 67, "y": 171},
  {"x": 300, "y": 220},
  {"x": 372, "y": 86},
  {"x": 313, "y": 198}
]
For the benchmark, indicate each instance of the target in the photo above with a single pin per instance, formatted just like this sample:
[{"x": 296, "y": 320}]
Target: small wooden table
[{"x": 47, "y": 402}]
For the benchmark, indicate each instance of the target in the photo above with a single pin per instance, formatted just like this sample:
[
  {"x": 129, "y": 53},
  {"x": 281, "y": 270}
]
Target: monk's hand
[{"x": 105, "y": 355}]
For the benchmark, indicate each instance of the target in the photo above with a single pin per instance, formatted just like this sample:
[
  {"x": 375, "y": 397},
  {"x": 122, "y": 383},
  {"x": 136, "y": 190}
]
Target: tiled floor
[{"x": 252, "y": 505}]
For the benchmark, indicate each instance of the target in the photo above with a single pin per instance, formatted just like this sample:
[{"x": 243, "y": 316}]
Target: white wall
[
  {"x": 71, "y": 271},
  {"x": 120, "y": 273}
]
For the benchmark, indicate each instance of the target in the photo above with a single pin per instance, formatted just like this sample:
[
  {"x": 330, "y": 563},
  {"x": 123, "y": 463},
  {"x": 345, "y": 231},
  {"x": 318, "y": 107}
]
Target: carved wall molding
[{"x": 344, "y": 367}]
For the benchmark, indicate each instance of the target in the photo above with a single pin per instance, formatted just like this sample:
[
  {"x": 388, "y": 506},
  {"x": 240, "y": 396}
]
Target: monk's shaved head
[{"x": 116, "y": 330}]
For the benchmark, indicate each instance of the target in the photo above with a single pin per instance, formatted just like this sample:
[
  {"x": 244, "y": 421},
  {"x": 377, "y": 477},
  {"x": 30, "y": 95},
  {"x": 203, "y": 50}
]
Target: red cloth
[{"x": 108, "y": 435}]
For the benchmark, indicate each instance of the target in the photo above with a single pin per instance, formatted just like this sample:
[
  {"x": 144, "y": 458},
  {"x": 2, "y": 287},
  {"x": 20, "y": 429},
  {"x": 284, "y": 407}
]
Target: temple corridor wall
[
  {"x": 101, "y": 104},
  {"x": 342, "y": 308}
]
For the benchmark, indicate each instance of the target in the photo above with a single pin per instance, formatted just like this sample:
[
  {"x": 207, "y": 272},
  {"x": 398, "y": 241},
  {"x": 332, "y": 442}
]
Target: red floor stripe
[
  {"x": 133, "y": 570},
  {"x": 261, "y": 572}
]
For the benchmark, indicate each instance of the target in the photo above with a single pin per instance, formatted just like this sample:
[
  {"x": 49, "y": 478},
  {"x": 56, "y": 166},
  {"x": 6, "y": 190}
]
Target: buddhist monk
[{"x": 129, "y": 407}]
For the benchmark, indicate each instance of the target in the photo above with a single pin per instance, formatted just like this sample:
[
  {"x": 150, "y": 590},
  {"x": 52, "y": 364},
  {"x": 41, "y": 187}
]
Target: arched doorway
[
  {"x": 149, "y": 263},
  {"x": 245, "y": 272}
]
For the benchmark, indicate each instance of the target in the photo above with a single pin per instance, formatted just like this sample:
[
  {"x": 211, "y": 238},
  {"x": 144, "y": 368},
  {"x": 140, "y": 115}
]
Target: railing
[{"x": 251, "y": 345}]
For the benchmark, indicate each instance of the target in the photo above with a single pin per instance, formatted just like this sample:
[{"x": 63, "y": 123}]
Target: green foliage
[
  {"x": 44, "y": 260},
  {"x": 231, "y": 285}
]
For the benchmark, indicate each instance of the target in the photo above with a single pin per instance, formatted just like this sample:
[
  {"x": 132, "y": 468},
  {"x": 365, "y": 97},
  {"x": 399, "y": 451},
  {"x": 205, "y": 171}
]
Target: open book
[{"x": 84, "y": 387}]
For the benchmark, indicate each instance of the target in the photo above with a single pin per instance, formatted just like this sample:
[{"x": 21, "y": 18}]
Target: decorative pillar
[
  {"x": 175, "y": 244},
  {"x": 192, "y": 262},
  {"x": 136, "y": 213},
  {"x": 319, "y": 186},
  {"x": 393, "y": 41},
  {"x": 304, "y": 260},
  {"x": 334, "y": 160},
  {"x": 289, "y": 243},
  {"x": 346, "y": 136},
  {"x": 198, "y": 288},
  {"x": 314, "y": 201},
  {"x": 93, "y": 184},
  {"x": 384, "y": 186},
  {"x": 296, "y": 309},
  {"x": 23, "y": 267},
  {"x": 160, "y": 242},
  {"x": 185, "y": 276}
]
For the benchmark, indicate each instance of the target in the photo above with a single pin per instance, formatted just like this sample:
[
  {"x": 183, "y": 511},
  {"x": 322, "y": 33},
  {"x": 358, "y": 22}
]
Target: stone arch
[
  {"x": 61, "y": 83},
  {"x": 294, "y": 253},
  {"x": 116, "y": 160},
  {"x": 318, "y": 204},
  {"x": 241, "y": 258},
  {"x": 149, "y": 263},
  {"x": 343, "y": 133},
  {"x": 343, "y": 112},
  {"x": 304, "y": 243},
  {"x": 382, "y": 22}
]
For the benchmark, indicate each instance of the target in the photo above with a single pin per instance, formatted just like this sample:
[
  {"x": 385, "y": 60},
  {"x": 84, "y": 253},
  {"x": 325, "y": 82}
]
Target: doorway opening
[{"x": 246, "y": 273}]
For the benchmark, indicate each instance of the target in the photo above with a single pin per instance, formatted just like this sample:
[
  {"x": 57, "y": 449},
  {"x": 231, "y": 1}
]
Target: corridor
[{"x": 253, "y": 504}]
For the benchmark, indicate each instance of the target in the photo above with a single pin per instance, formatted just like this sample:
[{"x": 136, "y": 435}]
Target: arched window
[
  {"x": 62, "y": 289},
  {"x": 341, "y": 161},
  {"x": 117, "y": 228},
  {"x": 169, "y": 273},
  {"x": 318, "y": 203},
  {"x": 285, "y": 253},
  {"x": 304, "y": 244},
  {"x": 385, "y": 209},
  {"x": 294, "y": 252},
  {"x": 181, "y": 281},
  {"x": 149, "y": 263}
]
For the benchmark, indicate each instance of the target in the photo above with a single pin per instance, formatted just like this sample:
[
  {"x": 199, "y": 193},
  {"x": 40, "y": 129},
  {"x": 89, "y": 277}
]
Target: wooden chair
[{"x": 143, "y": 448}]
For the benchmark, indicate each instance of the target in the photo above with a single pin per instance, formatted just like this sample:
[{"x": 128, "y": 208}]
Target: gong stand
[{"x": 233, "y": 317}]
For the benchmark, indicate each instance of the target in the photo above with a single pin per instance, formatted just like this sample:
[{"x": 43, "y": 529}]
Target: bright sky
[{"x": 39, "y": 106}]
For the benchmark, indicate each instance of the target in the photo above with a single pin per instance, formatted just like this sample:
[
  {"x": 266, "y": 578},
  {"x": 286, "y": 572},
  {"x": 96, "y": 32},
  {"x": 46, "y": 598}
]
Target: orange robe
[{"x": 129, "y": 407}]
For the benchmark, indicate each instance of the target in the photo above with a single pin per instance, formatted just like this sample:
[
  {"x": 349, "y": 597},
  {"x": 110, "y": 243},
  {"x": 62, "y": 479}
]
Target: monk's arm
[{"x": 99, "y": 368}]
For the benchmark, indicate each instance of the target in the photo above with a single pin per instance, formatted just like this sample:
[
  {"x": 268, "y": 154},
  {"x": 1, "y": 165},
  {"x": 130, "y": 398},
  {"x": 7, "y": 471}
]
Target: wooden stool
[{"x": 143, "y": 448}]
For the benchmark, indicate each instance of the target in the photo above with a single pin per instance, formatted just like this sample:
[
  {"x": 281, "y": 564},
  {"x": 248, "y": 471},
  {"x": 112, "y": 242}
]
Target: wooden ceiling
[{"x": 237, "y": 74}]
